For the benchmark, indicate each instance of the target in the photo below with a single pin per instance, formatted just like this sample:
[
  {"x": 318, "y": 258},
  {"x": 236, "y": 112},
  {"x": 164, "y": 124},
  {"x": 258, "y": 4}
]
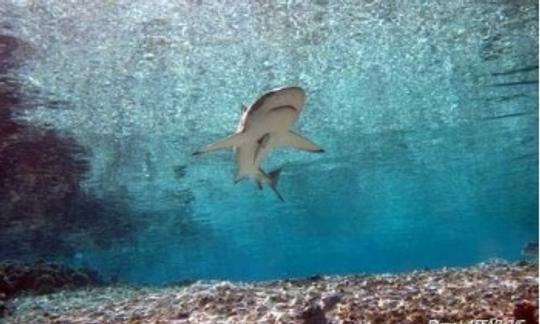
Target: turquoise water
[{"x": 427, "y": 111}]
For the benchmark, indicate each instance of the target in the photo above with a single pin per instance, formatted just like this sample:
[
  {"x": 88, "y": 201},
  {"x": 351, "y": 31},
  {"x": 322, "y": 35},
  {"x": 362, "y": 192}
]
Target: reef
[
  {"x": 40, "y": 277},
  {"x": 493, "y": 290}
]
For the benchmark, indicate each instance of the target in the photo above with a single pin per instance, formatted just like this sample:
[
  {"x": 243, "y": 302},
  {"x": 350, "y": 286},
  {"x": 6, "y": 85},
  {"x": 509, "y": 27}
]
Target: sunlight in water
[{"x": 427, "y": 111}]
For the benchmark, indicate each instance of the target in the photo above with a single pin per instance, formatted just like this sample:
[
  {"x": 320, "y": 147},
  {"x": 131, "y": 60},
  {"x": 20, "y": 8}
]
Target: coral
[
  {"x": 5, "y": 310},
  {"x": 42, "y": 277},
  {"x": 313, "y": 314},
  {"x": 525, "y": 310},
  {"x": 42, "y": 172},
  {"x": 447, "y": 295}
]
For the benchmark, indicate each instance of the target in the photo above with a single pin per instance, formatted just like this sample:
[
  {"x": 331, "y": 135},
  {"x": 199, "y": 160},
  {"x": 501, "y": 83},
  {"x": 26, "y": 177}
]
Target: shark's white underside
[{"x": 266, "y": 124}]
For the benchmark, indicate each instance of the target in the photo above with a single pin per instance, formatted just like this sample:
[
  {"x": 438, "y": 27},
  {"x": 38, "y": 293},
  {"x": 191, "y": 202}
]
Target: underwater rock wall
[{"x": 44, "y": 210}]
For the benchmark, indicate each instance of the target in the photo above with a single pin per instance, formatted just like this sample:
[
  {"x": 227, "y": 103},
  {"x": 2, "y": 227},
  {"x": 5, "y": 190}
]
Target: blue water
[{"x": 427, "y": 111}]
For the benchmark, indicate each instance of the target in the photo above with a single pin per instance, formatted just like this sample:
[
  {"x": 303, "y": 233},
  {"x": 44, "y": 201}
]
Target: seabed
[{"x": 494, "y": 290}]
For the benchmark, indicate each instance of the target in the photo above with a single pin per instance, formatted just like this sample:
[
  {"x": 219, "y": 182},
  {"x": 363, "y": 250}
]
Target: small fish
[
  {"x": 264, "y": 125},
  {"x": 179, "y": 171},
  {"x": 508, "y": 98},
  {"x": 518, "y": 114},
  {"x": 506, "y": 84},
  {"x": 530, "y": 249},
  {"x": 520, "y": 70}
]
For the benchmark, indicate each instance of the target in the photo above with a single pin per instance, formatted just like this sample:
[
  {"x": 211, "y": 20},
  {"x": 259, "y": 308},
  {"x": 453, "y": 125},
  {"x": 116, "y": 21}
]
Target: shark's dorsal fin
[{"x": 261, "y": 145}]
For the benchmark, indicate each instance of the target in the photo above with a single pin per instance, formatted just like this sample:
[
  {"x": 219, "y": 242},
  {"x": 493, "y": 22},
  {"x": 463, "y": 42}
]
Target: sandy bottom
[{"x": 494, "y": 290}]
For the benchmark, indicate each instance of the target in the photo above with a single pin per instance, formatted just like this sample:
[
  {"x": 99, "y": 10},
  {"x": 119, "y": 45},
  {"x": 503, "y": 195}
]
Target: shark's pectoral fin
[
  {"x": 227, "y": 142},
  {"x": 261, "y": 145},
  {"x": 298, "y": 141},
  {"x": 238, "y": 178}
]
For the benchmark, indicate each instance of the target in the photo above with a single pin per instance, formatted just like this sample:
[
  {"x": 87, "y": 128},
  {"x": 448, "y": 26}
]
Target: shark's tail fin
[{"x": 273, "y": 178}]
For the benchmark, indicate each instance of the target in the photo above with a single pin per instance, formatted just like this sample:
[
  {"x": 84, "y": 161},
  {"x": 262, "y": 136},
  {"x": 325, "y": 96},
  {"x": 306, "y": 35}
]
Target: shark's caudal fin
[
  {"x": 227, "y": 142},
  {"x": 298, "y": 141},
  {"x": 273, "y": 179}
]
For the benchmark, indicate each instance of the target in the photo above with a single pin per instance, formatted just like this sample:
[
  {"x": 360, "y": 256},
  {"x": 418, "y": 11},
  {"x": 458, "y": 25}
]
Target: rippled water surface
[{"x": 427, "y": 111}]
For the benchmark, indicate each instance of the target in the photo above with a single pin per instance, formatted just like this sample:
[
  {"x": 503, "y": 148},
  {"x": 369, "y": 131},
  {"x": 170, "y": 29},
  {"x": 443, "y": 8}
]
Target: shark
[{"x": 265, "y": 125}]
